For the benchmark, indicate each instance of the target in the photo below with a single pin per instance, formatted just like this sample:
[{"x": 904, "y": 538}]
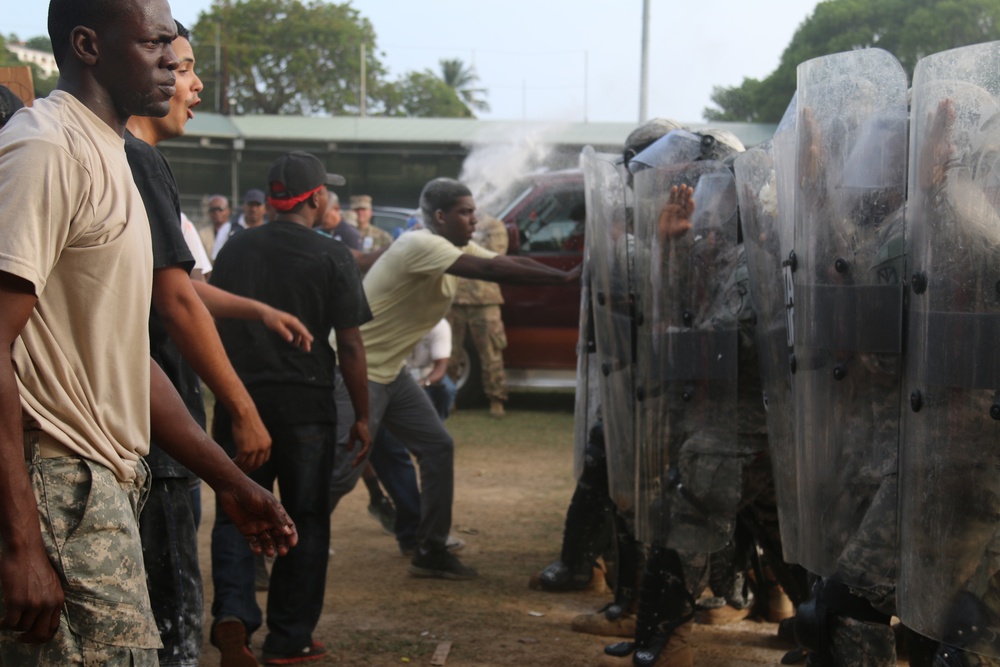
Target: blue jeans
[
  {"x": 394, "y": 467},
  {"x": 301, "y": 462}
]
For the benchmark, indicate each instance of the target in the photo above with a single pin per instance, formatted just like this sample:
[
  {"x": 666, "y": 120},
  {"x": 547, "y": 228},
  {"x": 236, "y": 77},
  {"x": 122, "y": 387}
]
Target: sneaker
[
  {"x": 230, "y": 636},
  {"x": 381, "y": 510},
  {"x": 315, "y": 651},
  {"x": 440, "y": 564},
  {"x": 453, "y": 544}
]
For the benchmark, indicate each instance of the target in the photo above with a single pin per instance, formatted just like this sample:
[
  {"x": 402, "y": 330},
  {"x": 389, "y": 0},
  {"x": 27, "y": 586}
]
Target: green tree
[
  {"x": 40, "y": 43},
  {"x": 462, "y": 80},
  {"x": 423, "y": 95},
  {"x": 43, "y": 85},
  {"x": 909, "y": 29},
  {"x": 285, "y": 56}
]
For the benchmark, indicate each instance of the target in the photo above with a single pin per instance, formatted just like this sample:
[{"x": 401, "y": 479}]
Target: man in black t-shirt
[
  {"x": 288, "y": 265},
  {"x": 182, "y": 332}
]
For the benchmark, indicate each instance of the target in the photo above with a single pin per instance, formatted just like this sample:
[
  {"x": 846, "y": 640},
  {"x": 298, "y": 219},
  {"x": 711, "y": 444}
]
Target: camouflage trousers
[
  {"x": 486, "y": 329},
  {"x": 90, "y": 531}
]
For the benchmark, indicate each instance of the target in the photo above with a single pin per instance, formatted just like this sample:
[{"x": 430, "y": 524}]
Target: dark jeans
[
  {"x": 301, "y": 462},
  {"x": 394, "y": 467},
  {"x": 169, "y": 535},
  {"x": 407, "y": 412}
]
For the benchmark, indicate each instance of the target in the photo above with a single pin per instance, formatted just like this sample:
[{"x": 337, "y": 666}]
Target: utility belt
[{"x": 35, "y": 440}]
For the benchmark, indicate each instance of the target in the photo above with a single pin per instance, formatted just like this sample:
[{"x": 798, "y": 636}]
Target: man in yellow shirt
[{"x": 409, "y": 289}]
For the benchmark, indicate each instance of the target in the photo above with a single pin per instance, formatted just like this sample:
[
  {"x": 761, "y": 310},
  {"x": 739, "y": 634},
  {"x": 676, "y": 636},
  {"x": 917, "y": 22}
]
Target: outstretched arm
[
  {"x": 191, "y": 327},
  {"x": 32, "y": 594},
  {"x": 221, "y": 303},
  {"x": 256, "y": 513},
  {"x": 354, "y": 368},
  {"x": 512, "y": 271}
]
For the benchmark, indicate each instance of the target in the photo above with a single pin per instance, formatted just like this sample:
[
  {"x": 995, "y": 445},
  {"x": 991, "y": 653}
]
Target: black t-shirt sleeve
[
  {"x": 156, "y": 185},
  {"x": 351, "y": 307}
]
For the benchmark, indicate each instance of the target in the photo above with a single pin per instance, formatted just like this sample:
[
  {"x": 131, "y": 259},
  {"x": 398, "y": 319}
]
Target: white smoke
[{"x": 498, "y": 158}]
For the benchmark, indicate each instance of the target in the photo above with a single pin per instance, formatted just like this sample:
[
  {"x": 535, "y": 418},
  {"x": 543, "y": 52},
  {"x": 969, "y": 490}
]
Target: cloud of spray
[{"x": 497, "y": 159}]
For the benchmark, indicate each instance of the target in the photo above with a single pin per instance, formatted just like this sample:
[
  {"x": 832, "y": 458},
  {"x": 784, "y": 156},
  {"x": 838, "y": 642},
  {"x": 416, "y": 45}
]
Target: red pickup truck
[{"x": 545, "y": 219}]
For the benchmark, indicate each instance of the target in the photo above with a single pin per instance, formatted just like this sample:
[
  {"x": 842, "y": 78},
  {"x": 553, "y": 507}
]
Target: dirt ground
[{"x": 513, "y": 480}]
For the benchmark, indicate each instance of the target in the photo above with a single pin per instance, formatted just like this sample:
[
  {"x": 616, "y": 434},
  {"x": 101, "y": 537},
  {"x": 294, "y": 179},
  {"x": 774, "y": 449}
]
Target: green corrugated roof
[{"x": 429, "y": 130}]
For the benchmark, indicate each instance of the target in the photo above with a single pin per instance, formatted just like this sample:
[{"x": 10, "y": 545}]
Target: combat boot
[
  {"x": 673, "y": 650},
  {"x": 496, "y": 409},
  {"x": 608, "y": 621}
]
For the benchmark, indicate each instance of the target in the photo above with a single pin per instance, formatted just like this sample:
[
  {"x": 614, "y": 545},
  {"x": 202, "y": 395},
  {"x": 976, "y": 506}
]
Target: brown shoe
[
  {"x": 677, "y": 652},
  {"x": 779, "y": 606},
  {"x": 230, "y": 635},
  {"x": 723, "y": 615},
  {"x": 496, "y": 409},
  {"x": 597, "y": 623}
]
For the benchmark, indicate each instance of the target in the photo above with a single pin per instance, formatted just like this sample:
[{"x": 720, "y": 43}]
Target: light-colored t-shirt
[
  {"x": 72, "y": 224},
  {"x": 193, "y": 241},
  {"x": 436, "y": 344},
  {"x": 408, "y": 292}
]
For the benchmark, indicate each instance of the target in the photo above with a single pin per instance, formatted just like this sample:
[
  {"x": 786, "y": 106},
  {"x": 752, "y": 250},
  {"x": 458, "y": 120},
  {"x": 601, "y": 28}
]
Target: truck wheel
[{"x": 470, "y": 378}]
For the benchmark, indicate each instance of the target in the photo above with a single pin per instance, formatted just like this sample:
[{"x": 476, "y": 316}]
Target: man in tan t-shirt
[
  {"x": 409, "y": 289},
  {"x": 77, "y": 413}
]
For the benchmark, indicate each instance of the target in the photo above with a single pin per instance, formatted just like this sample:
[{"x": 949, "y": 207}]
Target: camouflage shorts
[{"x": 90, "y": 531}]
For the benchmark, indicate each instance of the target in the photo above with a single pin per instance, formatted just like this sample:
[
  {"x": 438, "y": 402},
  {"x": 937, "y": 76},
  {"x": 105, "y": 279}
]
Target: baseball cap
[
  {"x": 361, "y": 201},
  {"x": 295, "y": 176},
  {"x": 254, "y": 196}
]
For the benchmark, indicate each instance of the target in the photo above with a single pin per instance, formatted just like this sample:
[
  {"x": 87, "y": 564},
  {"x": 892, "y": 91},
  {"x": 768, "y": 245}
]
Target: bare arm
[
  {"x": 437, "y": 372},
  {"x": 191, "y": 327},
  {"x": 256, "y": 513},
  {"x": 32, "y": 594},
  {"x": 221, "y": 303},
  {"x": 365, "y": 260},
  {"x": 512, "y": 271},
  {"x": 354, "y": 368}
]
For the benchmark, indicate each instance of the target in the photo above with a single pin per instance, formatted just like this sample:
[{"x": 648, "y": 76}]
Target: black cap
[
  {"x": 294, "y": 174},
  {"x": 254, "y": 196}
]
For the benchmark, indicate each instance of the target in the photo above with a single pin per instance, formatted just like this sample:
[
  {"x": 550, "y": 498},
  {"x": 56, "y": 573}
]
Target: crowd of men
[{"x": 787, "y": 384}]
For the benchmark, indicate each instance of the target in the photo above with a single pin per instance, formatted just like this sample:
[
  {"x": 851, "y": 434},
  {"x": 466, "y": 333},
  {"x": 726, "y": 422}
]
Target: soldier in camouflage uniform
[
  {"x": 476, "y": 309},
  {"x": 373, "y": 239}
]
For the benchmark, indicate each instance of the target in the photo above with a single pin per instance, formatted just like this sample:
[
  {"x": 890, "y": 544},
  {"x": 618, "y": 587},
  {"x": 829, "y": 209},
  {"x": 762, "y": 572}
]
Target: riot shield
[
  {"x": 767, "y": 244},
  {"x": 949, "y": 579},
  {"x": 849, "y": 189},
  {"x": 689, "y": 467},
  {"x": 673, "y": 148},
  {"x": 609, "y": 239},
  {"x": 587, "y": 402}
]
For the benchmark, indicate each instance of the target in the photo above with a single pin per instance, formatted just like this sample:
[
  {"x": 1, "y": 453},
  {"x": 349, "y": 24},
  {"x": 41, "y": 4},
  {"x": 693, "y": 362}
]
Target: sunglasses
[{"x": 216, "y": 209}]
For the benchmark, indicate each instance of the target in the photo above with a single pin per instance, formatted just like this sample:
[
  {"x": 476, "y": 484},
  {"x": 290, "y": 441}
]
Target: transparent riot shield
[
  {"x": 767, "y": 244},
  {"x": 689, "y": 467},
  {"x": 609, "y": 239},
  {"x": 949, "y": 579},
  {"x": 850, "y": 170},
  {"x": 676, "y": 147},
  {"x": 587, "y": 402}
]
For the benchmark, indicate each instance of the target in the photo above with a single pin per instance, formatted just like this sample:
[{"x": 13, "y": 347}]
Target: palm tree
[{"x": 462, "y": 80}]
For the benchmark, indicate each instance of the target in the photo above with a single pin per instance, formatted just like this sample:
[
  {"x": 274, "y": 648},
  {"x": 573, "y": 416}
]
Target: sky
[{"x": 561, "y": 60}]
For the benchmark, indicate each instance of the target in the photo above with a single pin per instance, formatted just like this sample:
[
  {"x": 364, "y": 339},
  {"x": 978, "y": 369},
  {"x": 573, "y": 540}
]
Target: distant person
[
  {"x": 335, "y": 226},
  {"x": 219, "y": 214},
  {"x": 288, "y": 265},
  {"x": 252, "y": 216},
  {"x": 476, "y": 310},
  {"x": 373, "y": 239},
  {"x": 410, "y": 288}
]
